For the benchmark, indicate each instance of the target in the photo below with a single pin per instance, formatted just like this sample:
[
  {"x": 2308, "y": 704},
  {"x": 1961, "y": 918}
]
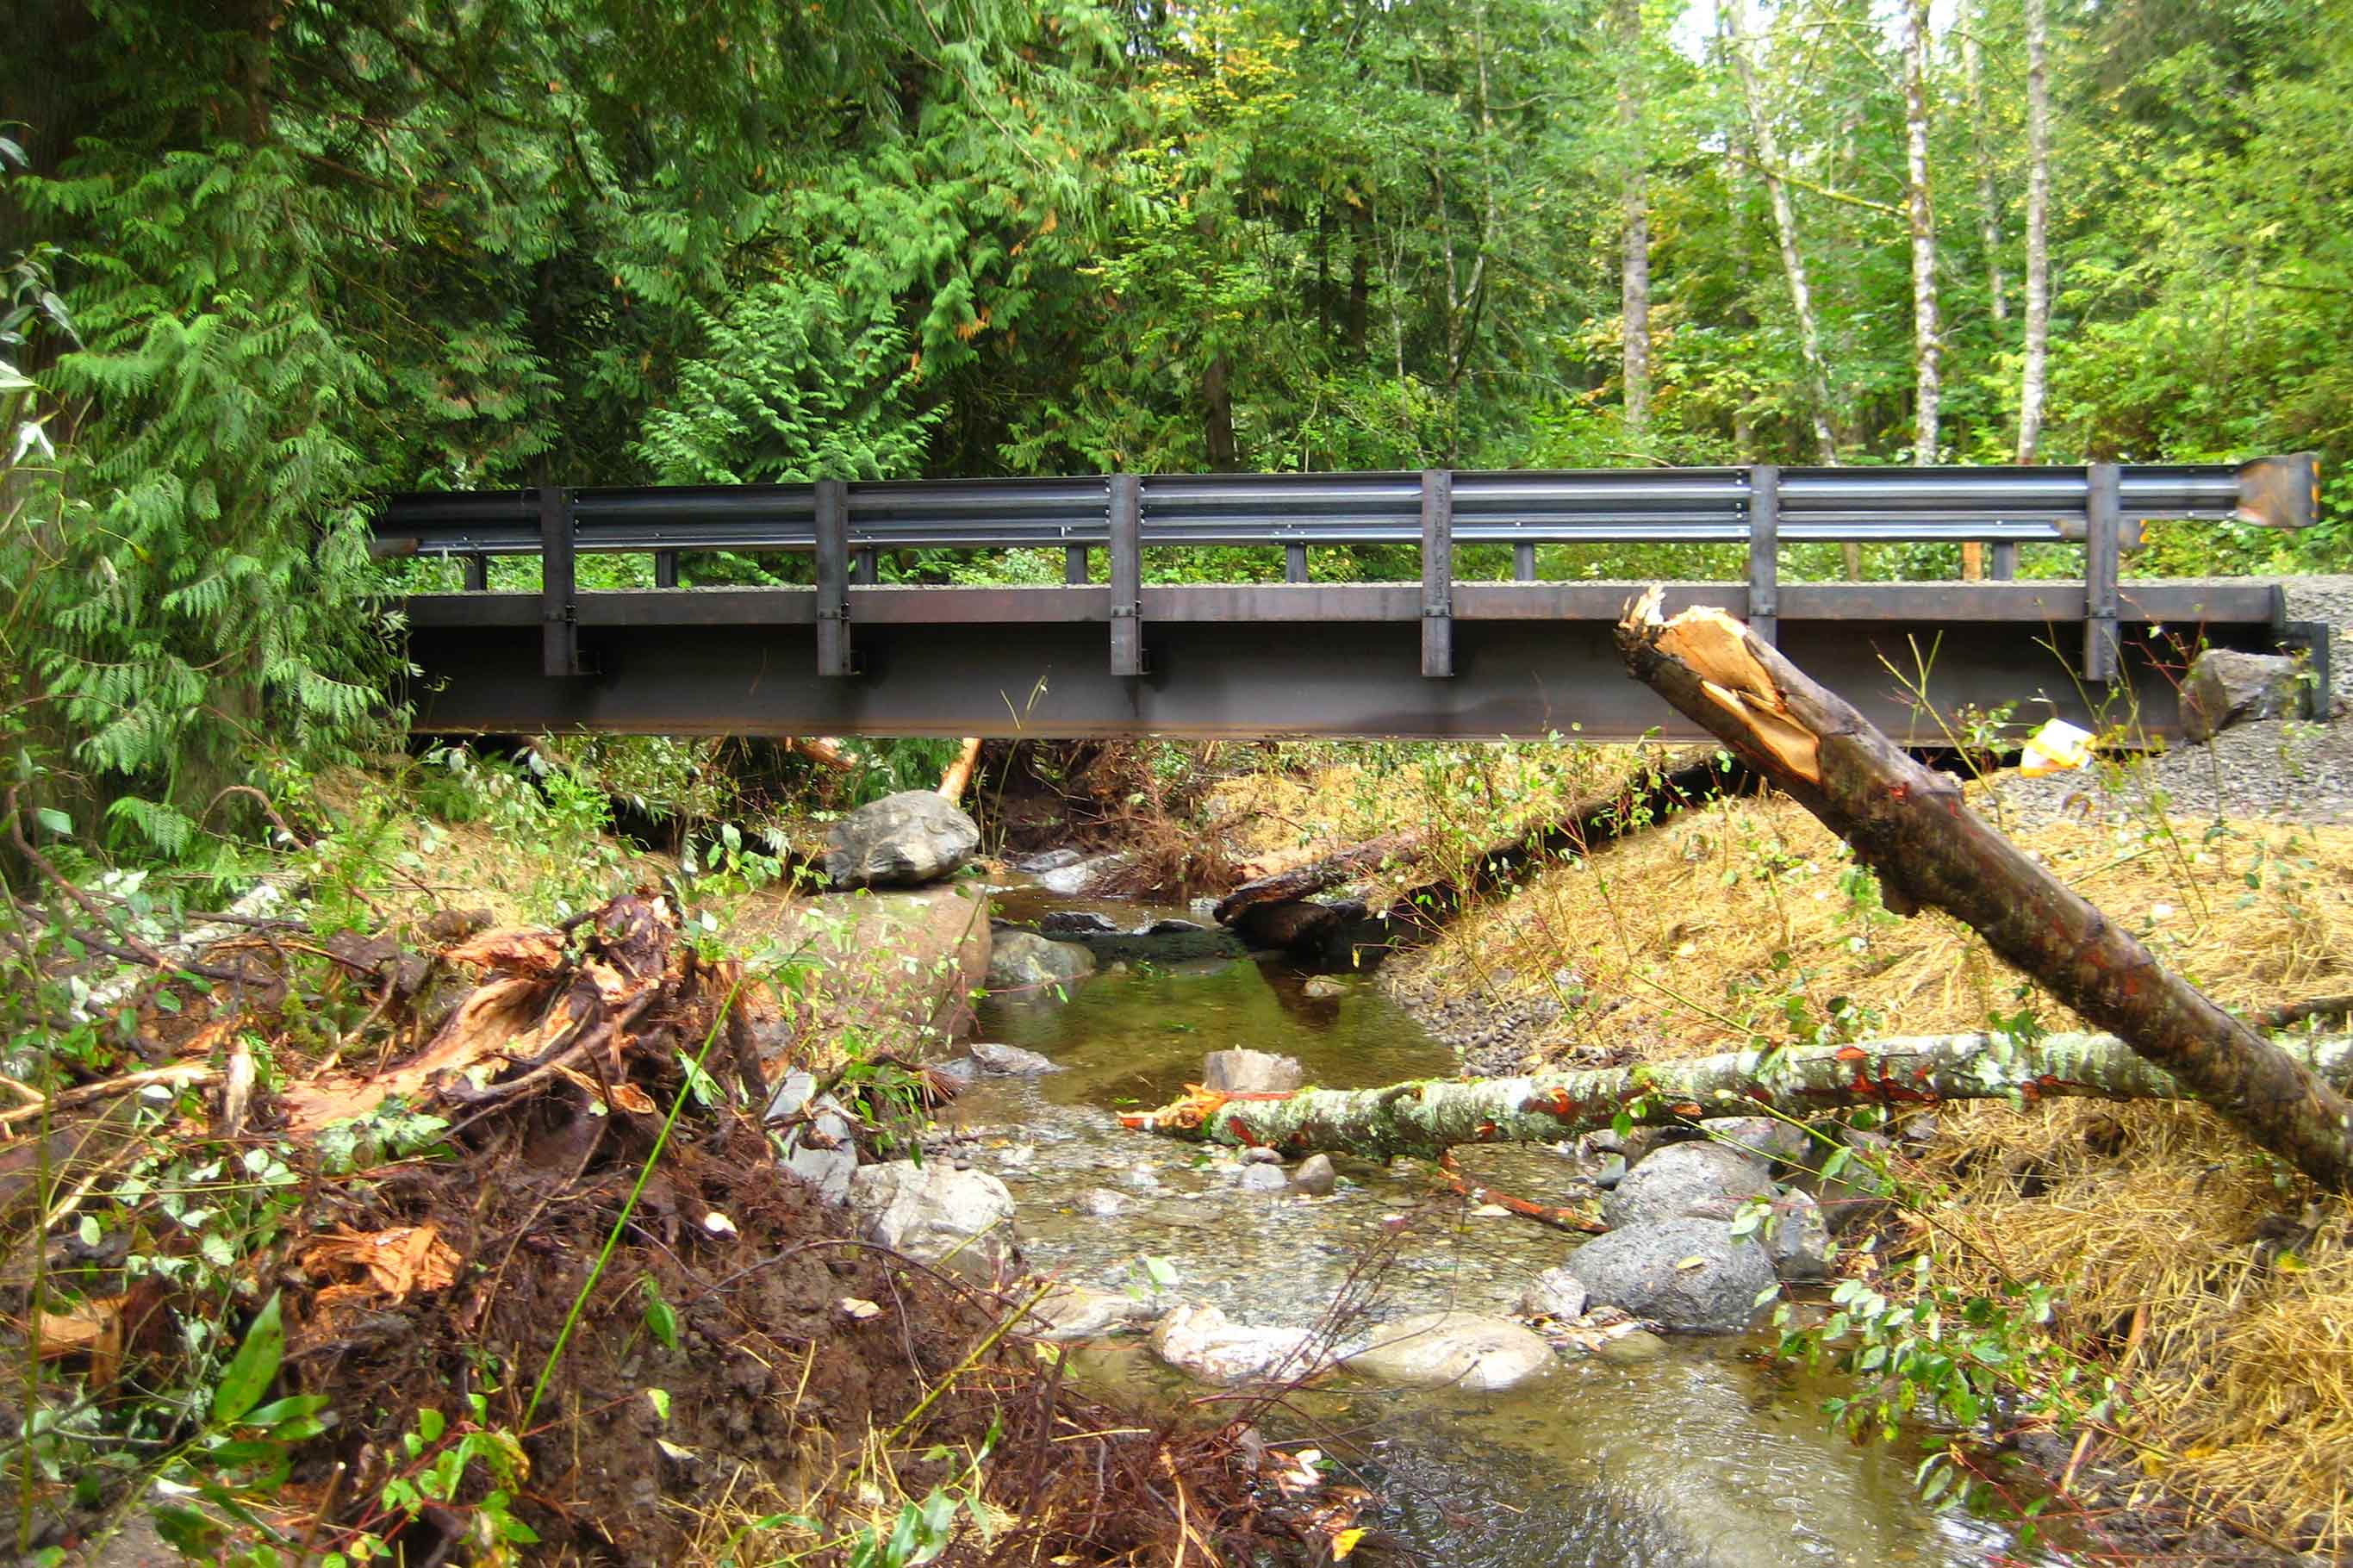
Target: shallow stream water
[{"x": 1707, "y": 1455}]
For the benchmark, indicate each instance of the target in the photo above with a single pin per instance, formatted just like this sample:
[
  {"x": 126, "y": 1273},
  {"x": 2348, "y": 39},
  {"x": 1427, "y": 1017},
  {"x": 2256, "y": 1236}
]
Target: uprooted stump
[{"x": 533, "y": 1260}]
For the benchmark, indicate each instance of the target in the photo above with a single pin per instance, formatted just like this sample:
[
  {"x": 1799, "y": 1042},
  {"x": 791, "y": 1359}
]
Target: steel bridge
[{"x": 1443, "y": 657}]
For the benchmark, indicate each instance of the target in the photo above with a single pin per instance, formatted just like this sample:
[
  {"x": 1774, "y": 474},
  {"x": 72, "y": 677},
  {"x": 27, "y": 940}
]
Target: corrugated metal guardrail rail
[{"x": 843, "y": 524}]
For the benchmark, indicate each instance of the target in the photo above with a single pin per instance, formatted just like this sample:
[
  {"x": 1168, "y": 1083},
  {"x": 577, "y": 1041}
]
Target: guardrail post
[
  {"x": 833, "y": 652},
  {"x": 2103, "y": 512},
  {"x": 665, "y": 568},
  {"x": 1074, "y": 564},
  {"x": 1765, "y": 552},
  {"x": 2005, "y": 560},
  {"x": 865, "y": 570},
  {"x": 1126, "y": 574},
  {"x": 1438, "y": 573},
  {"x": 559, "y": 603},
  {"x": 1295, "y": 562},
  {"x": 477, "y": 572},
  {"x": 1524, "y": 562}
]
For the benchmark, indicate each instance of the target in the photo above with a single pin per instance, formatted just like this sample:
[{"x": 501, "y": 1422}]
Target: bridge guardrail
[{"x": 844, "y": 524}]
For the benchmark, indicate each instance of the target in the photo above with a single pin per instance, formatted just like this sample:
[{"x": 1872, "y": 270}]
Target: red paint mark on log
[{"x": 1852, "y": 1054}]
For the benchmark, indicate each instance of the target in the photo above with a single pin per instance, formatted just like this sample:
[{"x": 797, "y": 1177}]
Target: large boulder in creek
[
  {"x": 935, "y": 1212},
  {"x": 1199, "y": 1341},
  {"x": 1688, "y": 1274},
  {"x": 1024, "y": 961},
  {"x": 2226, "y": 687},
  {"x": 1244, "y": 1071},
  {"x": 1706, "y": 1179},
  {"x": 1453, "y": 1350},
  {"x": 903, "y": 840}
]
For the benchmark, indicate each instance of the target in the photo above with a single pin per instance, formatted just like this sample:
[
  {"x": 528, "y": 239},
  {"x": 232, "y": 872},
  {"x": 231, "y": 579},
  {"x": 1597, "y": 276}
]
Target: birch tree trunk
[
  {"x": 1784, "y": 231},
  {"x": 2032, "y": 377},
  {"x": 1634, "y": 272},
  {"x": 1927, "y": 344},
  {"x": 1430, "y": 1117},
  {"x": 1988, "y": 192},
  {"x": 1909, "y": 823}
]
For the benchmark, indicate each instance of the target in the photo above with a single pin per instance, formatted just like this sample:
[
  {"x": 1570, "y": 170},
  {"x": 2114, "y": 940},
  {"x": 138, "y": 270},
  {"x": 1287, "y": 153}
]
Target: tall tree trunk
[
  {"x": 1218, "y": 415},
  {"x": 1927, "y": 344},
  {"x": 1634, "y": 200},
  {"x": 1360, "y": 288},
  {"x": 1988, "y": 192},
  {"x": 2033, "y": 378},
  {"x": 1428, "y": 1118},
  {"x": 1793, "y": 259},
  {"x": 1909, "y": 823},
  {"x": 1784, "y": 231}
]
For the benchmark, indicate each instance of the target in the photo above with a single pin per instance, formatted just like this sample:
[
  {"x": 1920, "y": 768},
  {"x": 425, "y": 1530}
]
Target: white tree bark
[
  {"x": 1428, "y": 1117},
  {"x": 1927, "y": 343},
  {"x": 1785, "y": 229},
  {"x": 2033, "y": 378},
  {"x": 1988, "y": 191},
  {"x": 1634, "y": 272}
]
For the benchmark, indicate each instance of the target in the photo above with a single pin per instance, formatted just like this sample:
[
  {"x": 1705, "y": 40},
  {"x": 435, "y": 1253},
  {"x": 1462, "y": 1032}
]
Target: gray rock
[
  {"x": 1078, "y": 922},
  {"x": 1102, "y": 1203},
  {"x": 1143, "y": 1178},
  {"x": 960, "y": 1072},
  {"x": 1798, "y": 1237},
  {"x": 1260, "y": 1154},
  {"x": 1011, "y": 1061},
  {"x": 1630, "y": 1350},
  {"x": 1322, "y": 988},
  {"x": 2226, "y": 687},
  {"x": 1316, "y": 1176},
  {"x": 1763, "y": 1138},
  {"x": 1024, "y": 961},
  {"x": 901, "y": 840},
  {"x": 1048, "y": 860},
  {"x": 1076, "y": 877},
  {"x": 1172, "y": 927},
  {"x": 1077, "y": 1312},
  {"x": 931, "y": 1211},
  {"x": 1198, "y": 1340},
  {"x": 1554, "y": 1293},
  {"x": 1684, "y": 1178},
  {"x": 821, "y": 1151},
  {"x": 1243, "y": 1071},
  {"x": 1453, "y": 1350},
  {"x": 1689, "y": 1274},
  {"x": 1263, "y": 1179}
]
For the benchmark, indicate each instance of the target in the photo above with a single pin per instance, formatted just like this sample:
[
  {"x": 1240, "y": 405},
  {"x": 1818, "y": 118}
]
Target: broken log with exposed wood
[
  {"x": 1587, "y": 823},
  {"x": 1909, "y": 823},
  {"x": 957, "y": 777},
  {"x": 1428, "y": 1117}
]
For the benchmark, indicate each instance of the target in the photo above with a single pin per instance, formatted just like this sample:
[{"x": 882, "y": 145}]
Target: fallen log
[
  {"x": 1428, "y": 1117},
  {"x": 1575, "y": 830},
  {"x": 1908, "y": 823}
]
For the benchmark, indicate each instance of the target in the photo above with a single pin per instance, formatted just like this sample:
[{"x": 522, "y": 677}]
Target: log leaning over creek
[
  {"x": 1909, "y": 823},
  {"x": 1428, "y": 1117}
]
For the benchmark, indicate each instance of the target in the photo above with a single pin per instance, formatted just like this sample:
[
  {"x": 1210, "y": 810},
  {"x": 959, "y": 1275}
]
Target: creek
[{"x": 1706, "y": 1454}]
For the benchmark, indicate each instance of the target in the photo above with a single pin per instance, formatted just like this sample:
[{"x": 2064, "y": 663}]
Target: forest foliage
[{"x": 269, "y": 258}]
